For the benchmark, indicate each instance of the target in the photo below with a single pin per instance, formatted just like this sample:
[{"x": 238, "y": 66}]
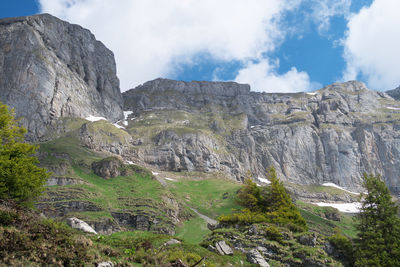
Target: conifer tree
[
  {"x": 20, "y": 178},
  {"x": 249, "y": 195},
  {"x": 276, "y": 202},
  {"x": 378, "y": 239},
  {"x": 269, "y": 203}
]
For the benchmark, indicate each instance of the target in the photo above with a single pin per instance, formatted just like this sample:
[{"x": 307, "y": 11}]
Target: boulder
[
  {"x": 80, "y": 225},
  {"x": 223, "y": 248},
  {"x": 254, "y": 256},
  {"x": 105, "y": 264},
  {"x": 172, "y": 242},
  {"x": 107, "y": 168}
]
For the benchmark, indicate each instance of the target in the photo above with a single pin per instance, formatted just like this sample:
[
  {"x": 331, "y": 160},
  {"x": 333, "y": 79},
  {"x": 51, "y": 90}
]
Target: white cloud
[
  {"x": 324, "y": 10},
  {"x": 372, "y": 45},
  {"x": 148, "y": 37},
  {"x": 263, "y": 76}
]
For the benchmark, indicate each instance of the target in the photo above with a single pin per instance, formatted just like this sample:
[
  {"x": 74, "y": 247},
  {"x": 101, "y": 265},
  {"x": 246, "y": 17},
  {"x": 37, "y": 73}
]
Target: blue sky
[{"x": 274, "y": 45}]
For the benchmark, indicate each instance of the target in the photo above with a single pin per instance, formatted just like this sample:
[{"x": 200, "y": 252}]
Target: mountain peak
[{"x": 55, "y": 69}]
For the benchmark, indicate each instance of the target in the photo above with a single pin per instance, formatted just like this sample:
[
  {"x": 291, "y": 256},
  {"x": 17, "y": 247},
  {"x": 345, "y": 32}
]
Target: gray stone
[
  {"x": 308, "y": 239},
  {"x": 254, "y": 256},
  {"x": 107, "y": 168},
  {"x": 223, "y": 248},
  {"x": 62, "y": 181},
  {"x": 172, "y": 242},
  {"x": 105, "y": 264},
  {"x": 80, "y": 225},
  {"x": 51, "y": 69}
]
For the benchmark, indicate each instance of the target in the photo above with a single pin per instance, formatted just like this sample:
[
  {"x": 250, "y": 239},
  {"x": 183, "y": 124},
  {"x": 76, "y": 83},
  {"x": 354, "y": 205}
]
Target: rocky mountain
[
  {"x": 51, "y": 69},
  {"x": 334, "y": 134},
  {"x": 54, "y": 73},
  {"x": 395, "y": 93}
]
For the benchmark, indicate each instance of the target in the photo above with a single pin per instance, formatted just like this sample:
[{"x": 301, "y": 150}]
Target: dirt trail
[{"x": 204, "y": 217}]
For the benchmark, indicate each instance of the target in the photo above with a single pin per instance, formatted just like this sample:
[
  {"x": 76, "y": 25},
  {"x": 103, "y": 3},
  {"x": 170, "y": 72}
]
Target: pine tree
[
  {"x": 378, "y": 239},
  {"x": 269, "y": 203},
  {"x": 20, "y": 178},
  {"x": 249, "y": 195},
  {"x": 277, "y": 203}
]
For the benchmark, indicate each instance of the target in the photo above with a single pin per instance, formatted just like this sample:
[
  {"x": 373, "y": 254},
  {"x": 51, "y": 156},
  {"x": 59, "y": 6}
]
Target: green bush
[
  {"x": 8, "y": 217},
  {"x": 266, "y": 204},
  {"x": 273, "y": 233},
  {"x": 344, "y": 248},
  {"x": 20, "y": 177}
]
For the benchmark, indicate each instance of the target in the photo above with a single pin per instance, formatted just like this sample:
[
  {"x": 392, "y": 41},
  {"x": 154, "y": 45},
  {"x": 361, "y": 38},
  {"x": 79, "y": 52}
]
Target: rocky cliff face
[
  {"x": 331, "y": 135},
  {"x": 51, "y": 69}
]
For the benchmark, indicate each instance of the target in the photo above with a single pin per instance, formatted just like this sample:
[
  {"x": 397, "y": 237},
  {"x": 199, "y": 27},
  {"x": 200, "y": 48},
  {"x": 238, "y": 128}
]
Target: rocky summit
[{"x": 51, "y": 69}]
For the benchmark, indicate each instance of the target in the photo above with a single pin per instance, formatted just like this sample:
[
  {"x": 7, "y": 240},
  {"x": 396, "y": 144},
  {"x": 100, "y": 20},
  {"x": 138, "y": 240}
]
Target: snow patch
[
  {"x": 94, "y": 118},
  {"x": 129, "y": 162},
  {"x": 393, "y": 108},
  {"x": 263, "y": 180},
  {"x": 118, "y": 126},
  {"x": 154, "y": 173},
  {"x": 311, "y": 93},
  {"x": 353, "y": 207},
  {"x": 170, "y": 179},
  {"x": 338, "y": 187},
  {"x": 127, "y": 113}
]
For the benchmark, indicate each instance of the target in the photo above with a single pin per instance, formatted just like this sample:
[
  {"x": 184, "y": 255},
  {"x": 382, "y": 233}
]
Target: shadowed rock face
[
  {"x": 395, "y": 93},
  {"x": 332, "y": 135},
  {"x": 51, "y": 69}
]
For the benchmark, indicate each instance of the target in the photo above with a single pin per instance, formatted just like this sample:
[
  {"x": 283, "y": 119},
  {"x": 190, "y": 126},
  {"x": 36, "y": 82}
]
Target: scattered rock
[
  {"x": 80, "y": 225},
  {"x": 253, "y": 230},
  {"x": 105, "y": 264},
  {"x": 308, "y": 239},
  {"x": 223, "y": 248},
  {"x": 212, "y": 226},
  {"x": 254, "y": 256},
  {"x": 172, "y": 242}
]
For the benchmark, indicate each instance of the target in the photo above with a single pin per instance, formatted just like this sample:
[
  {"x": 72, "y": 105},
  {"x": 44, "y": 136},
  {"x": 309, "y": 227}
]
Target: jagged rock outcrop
[
  {"x": 108, "y": 167},
  {"x": 51, "y": 69},
  {"x": 331, "y": 135}
]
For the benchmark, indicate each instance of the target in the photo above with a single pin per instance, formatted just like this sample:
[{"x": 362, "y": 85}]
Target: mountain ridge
[{"x": 330, "y": 135}]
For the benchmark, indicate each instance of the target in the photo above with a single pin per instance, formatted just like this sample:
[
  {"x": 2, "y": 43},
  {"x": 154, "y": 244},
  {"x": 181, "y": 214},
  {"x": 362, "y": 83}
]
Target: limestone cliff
[
  {"x": 331, "y": 135},
  {"x": 51, "y": 69}
]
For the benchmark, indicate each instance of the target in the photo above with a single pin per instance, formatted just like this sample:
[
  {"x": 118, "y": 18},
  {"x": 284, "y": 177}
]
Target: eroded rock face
[
  {"x": 107, "y": 168},
  {"x": 51, "y": 69},
  {"x": 333, "y": 135}
]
